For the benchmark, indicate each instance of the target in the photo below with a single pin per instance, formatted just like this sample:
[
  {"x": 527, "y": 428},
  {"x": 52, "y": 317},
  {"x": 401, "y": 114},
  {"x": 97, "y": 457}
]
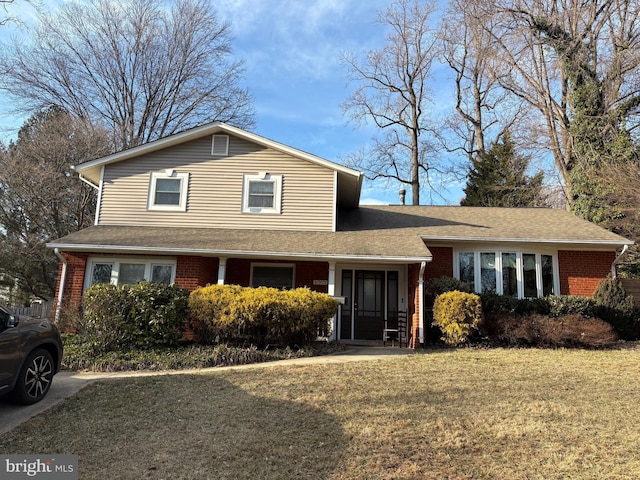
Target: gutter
[
  {"x": 63, "y": 278},
  {"x": 623, "y": 253},
  {"x": 231, "y": 253}
]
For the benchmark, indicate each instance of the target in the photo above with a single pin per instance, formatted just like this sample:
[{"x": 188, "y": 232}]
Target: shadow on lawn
[{"x": 187, "y": 426}]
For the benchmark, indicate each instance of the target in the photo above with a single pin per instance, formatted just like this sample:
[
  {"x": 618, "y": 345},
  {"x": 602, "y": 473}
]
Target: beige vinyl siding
[{"x": 215, "y": 188}]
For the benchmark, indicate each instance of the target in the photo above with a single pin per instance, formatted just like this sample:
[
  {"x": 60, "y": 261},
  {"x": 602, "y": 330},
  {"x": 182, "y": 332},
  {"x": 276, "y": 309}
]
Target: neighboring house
[{"x": 217, "y": 204}]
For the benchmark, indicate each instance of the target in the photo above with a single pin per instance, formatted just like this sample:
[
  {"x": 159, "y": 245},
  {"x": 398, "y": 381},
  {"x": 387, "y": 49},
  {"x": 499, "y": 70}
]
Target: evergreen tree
[{"x": 498, "y": 178}]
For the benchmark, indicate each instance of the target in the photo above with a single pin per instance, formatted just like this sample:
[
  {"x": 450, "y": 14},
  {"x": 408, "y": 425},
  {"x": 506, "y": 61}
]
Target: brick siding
[{"x": 580, "y": 272}]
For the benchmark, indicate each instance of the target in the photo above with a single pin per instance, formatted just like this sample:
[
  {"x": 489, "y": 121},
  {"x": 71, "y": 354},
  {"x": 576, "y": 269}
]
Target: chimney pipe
[{"x": 402, "y": 193}]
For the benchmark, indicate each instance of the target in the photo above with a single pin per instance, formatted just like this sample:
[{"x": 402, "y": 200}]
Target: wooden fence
[
  {"x": 632, "y": 287},
  {"x": 37, "y": 310}
]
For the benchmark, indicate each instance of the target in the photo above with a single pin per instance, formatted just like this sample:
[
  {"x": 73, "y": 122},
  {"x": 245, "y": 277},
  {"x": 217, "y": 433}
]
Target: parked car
[{"x": 30, "y": 355}]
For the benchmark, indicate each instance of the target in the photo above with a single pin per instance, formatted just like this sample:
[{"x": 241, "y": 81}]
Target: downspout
[
  {"x": 623, "y": 253},
  {"x": 63, "y": 278},
  {"x": 421, "y": 303}
]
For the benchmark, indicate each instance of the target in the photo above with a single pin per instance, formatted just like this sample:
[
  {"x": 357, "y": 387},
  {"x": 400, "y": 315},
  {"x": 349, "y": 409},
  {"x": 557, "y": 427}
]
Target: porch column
[
  {"x": 222, "y": 269},
  {"x": 421, "y": 305},
  {"x": 331, "y": 290}
]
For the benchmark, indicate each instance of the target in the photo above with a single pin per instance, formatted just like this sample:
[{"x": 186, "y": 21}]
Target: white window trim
[
  {"x": 277, "y": 193},
  {"x": 184, "y": 187},
  {"x": 148, "y": 262},
  {"x": 292, "y": 266},
  {"x": 519, "y": 268},
  {"x": 216, "y": 151}
]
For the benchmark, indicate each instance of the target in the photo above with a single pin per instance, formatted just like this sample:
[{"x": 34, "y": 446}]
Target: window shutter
[{"x": 220, "y": 145}]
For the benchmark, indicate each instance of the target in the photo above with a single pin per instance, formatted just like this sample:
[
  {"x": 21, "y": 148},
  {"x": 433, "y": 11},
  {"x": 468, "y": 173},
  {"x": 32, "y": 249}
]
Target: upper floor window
[
  {"x": 168, "y": 191},
  {"x": 516, "y": 274},
  {"x": 262, "y": 193}
]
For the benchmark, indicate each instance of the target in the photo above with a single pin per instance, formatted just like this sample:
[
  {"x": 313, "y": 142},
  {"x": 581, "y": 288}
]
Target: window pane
[
  {"x": 261, "y": 194},
  {"x": 509, "y": 275},
  {"x": 161, "y": 274},
  {"x": 277, "y": 277},
  {"x": 168, "y": 191},
  {"x": 529, "y": 275},
  {"x": 547, "y": 275},
  {"x": 131, "y": 273},
  {"x": 488, "y": 272},
  {"x": 261, "y": 187},
  {"x": 467, "y": 269},
  {"x": 101, "y": 273}
]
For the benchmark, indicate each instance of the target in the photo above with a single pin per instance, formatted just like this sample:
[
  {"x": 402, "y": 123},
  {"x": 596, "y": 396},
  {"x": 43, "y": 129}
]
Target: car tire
[{"x": 35, "y": 378}]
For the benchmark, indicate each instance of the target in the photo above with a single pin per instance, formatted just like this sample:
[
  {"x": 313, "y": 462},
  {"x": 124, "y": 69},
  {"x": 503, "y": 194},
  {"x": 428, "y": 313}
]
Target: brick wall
[
  {"x": 580, "y": 272},
  {"x": 74, "y": 282},
  {"x": 193, "y": 272},
  {"x": 441, "y": 265},
  {"x": 239, "y": 273}
]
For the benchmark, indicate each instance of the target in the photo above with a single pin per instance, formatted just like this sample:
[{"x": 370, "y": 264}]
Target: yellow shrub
[
  {"x": 264, "y": 314},
  {"x": 457, "y": 314}
]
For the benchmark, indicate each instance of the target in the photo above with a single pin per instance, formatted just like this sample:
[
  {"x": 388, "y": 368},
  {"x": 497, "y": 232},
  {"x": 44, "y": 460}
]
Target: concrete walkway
[{"x": 66, "y": 384}]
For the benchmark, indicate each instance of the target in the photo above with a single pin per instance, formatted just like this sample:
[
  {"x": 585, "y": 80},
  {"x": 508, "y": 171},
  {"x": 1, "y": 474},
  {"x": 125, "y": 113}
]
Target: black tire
[{"x": 35, "y": 378}]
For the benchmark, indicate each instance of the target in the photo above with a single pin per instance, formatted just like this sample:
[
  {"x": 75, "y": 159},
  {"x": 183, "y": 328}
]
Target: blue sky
[{"x": 291, "y": 50}]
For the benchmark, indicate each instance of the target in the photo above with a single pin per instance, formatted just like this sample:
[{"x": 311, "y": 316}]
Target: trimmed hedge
[
  {"x": 458, "y": 315},
  {"x": 143, "y": 315},
  {"x": 261, "y": 315}
]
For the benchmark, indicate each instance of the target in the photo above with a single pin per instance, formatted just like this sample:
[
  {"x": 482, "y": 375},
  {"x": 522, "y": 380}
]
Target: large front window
[
  {"x": 516, "y": 274},
  {"x": 130, "y": 270},
  {"x": 272, "y": 275}
]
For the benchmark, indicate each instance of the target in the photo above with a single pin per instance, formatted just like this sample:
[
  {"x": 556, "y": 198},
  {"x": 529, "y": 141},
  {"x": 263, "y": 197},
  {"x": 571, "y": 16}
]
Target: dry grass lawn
[{"x": 459, "y": 414}]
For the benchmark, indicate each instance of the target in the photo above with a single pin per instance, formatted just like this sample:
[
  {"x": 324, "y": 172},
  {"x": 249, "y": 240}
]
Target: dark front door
[{"x": 369, "y": 304}]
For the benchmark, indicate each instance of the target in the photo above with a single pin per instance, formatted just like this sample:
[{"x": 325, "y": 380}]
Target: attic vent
[{"x": 220, "y": 145}]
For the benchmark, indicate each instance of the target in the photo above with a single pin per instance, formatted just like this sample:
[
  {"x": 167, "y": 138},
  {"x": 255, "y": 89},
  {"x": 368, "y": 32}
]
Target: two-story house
[{"x": 217, "y": 204}]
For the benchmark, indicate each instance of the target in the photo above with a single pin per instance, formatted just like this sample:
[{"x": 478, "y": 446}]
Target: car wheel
[{"x": 35, "y": 378}]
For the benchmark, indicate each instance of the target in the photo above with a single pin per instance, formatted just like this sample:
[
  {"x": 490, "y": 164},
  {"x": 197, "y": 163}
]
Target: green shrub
[
  {"x": 103, "y": 323},
  {"x": 143, "y": 315},
  {"x": 492, "y": 302},
  {"x": 440, "y": 285},
  {"x": 458, "y": 315},
  {"x": 560, "y": 305},
  {"x": 261, "y": 315},
  {"x": 615, "y": 306}
]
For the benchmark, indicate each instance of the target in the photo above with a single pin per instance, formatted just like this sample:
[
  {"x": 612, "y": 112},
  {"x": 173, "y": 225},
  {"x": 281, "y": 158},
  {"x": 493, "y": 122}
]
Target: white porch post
[
  {"x": 222, "y": 269},
  {"x": 421, "y": 303},
  {"x": 331, "y": 290}
]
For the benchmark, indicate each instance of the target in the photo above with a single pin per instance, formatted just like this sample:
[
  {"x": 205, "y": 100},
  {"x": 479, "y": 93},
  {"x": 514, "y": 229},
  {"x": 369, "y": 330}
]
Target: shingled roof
[
  {"x": 372, "y": 233},
  {"x": 482, "y": 224}
]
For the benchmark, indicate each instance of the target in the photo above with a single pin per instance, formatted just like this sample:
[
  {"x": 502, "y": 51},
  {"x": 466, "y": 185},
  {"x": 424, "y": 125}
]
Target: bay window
[{"x": 512, "y": 273}]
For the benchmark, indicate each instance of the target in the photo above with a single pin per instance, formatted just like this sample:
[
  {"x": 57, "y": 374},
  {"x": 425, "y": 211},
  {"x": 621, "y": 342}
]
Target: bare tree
[
  {"x": 393, "y": 93},
  {"x": 483, "y": 109},
  {"x": 131, "y": 66},
  {"x": 41, "y": 198},
  {"x": 577, "y": 63}
]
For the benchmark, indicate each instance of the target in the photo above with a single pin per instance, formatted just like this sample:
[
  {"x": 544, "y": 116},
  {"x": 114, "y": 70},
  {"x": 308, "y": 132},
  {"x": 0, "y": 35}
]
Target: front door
[
  {"x": 371, "y": 296},
  {"x": 369, "y": 304}
]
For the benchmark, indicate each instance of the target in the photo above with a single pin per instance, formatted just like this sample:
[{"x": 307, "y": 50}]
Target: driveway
[{"x": 66, "y": 384}]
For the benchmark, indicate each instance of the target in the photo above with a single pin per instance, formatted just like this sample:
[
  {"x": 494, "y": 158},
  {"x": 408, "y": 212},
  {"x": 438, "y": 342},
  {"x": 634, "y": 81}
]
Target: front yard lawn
[{"x": 457, "y": 414}]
